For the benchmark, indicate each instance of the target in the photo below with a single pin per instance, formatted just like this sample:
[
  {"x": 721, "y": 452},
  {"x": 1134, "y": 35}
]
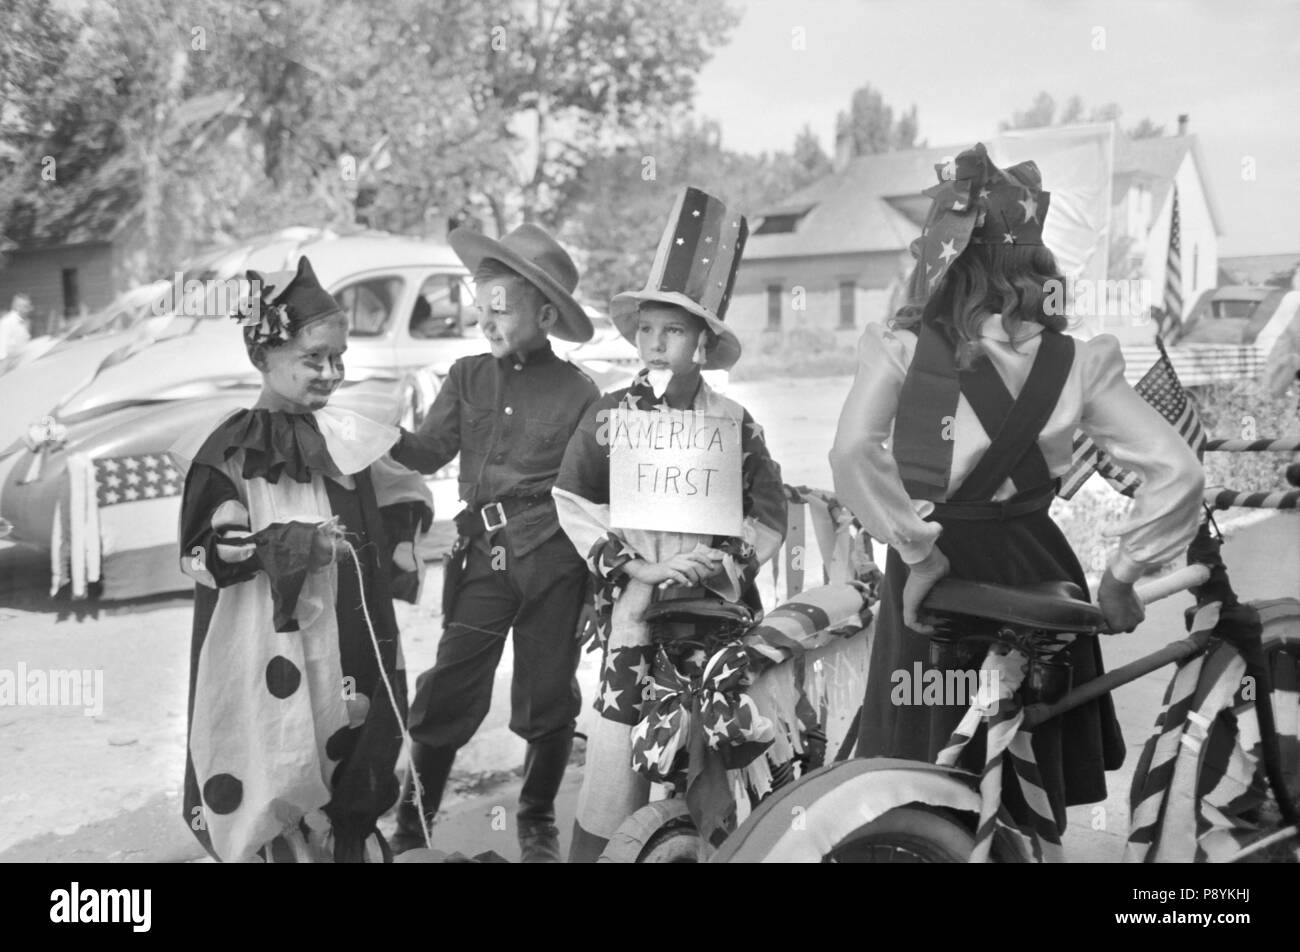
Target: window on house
[
  {"x": 774, "y": 307},
  {"x": 71, "y": 292},
  {"x": 848, "y": 303},
  {"x": 782, "y": 222}
]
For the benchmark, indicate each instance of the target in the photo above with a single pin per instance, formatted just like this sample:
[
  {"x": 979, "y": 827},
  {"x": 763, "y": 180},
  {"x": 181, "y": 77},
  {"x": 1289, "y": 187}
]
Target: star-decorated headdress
[
  {"x": 976, "y": 202},
  {"x": 695, "y": 269},
  {"x": 275, "y": 307}
]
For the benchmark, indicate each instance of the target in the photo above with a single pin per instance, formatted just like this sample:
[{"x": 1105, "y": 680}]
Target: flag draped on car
[
  {"x": 121, "y": 517},
  {"x": 1159, "y": 387}
]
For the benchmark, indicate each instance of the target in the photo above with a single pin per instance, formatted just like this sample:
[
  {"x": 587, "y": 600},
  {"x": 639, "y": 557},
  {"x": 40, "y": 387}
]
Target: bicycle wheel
[
  {"x": 659, "y": 832},
  {"x": 911, "y": 834},
  {"x": 867, "y": 810}
]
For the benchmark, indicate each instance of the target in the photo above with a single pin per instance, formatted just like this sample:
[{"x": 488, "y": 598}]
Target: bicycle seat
[
  {"x": 694, "y": 609},
  {"x": 1053, "y": 606}
]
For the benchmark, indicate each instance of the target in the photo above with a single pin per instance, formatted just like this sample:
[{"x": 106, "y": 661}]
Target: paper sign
[{"x": 674, "y": 470}]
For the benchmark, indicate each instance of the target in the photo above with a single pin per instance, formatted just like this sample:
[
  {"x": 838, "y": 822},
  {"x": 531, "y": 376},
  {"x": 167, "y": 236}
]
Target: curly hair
[{"x": 1011, "y": 280}]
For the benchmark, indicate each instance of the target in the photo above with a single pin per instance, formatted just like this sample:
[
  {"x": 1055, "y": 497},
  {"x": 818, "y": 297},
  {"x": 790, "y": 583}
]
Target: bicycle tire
[
  {"x": 910, "y": 834},
  {"x": 659, "y": 832}
]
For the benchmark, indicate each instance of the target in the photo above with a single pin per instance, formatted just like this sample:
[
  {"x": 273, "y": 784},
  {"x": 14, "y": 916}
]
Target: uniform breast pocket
[
  {"x": 543, "y": 444},
  {"x": 475, "y": 438},
  {"x": 478, "y": 422}
]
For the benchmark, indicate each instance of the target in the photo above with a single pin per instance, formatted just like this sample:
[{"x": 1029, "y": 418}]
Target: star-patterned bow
[
  {"x": 975, "y": 202},
  {"x": 731, "y": 722},
  {"x": 659, "y": 739}
]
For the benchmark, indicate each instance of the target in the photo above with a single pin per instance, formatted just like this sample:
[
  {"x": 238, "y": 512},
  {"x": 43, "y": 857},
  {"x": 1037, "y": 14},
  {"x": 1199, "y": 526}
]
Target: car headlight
[{"x": 46, "y": 431}]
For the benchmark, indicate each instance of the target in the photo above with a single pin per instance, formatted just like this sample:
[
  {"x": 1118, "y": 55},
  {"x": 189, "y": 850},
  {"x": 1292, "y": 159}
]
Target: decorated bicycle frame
[
  {"x": 736, "y": 708},
  {"x": 1201, "y": 790}
]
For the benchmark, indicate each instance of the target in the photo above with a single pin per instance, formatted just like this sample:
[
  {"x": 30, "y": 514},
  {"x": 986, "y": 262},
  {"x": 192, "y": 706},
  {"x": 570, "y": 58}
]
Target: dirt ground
[{"x": 105, "y": 786}]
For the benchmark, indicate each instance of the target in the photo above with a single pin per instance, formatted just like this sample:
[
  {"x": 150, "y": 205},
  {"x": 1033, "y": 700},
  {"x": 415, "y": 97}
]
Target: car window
[
  {"x": 369, "y": 304},
  {"x": 1234, "y": 308},
  {"x": 443, "y": 308}
]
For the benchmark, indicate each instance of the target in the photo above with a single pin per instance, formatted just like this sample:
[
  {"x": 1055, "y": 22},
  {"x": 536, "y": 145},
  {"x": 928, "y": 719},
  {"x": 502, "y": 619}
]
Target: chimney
[{"x": 1182, "y": 123}]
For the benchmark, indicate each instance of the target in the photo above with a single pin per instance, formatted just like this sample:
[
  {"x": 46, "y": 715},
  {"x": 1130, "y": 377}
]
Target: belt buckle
[{"x": 487, "y": 522}]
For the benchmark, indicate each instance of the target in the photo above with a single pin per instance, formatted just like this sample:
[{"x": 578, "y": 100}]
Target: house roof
[
  {"x": 874, "y": 204},
  {"x": 849, "y": 212},
  {"x": 1155, "y": 162}
]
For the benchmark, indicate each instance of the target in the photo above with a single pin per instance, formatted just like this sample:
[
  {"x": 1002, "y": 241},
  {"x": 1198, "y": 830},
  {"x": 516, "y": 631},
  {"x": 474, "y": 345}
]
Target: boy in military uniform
[{"x": 509, "y": 415}]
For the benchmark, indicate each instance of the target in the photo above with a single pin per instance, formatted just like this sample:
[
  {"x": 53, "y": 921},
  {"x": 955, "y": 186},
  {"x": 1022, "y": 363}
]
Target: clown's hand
[{"x": 408, "y": 573}]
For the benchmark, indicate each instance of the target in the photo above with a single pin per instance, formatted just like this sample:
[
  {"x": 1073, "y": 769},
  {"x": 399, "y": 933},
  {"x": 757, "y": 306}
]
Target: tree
[
  {"x": 336, "y": 115},
  {"x": 870, "y": 126},
  {"x": 1035, "y": 117},
  {"x": 809, "y": 156},
  {"x": 1043, "y": 113},
  {"x": 619, "y": 213},
  {"x": 562, "y": 81}
]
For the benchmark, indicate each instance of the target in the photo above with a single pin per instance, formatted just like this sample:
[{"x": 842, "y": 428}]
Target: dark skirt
[{"x": 1073, "y": 751}]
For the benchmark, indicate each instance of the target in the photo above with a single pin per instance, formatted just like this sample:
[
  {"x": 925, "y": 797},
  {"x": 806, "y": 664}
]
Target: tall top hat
[
  {"x": 282, "y": 303},
  {"x": 695, "y": 269},
  {"x": 975, "y": 202},
  {"x": 539, "y": 259}
]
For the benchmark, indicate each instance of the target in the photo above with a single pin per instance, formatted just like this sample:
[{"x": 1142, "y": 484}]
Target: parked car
[
  {"x": 128, "y": 392},
  {"x": 1232, "y": 314}
]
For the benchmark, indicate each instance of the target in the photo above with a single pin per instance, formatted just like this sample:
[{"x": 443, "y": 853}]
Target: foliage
[
  {"x": 332, "y": 114},
  {"x": 1228, "y": 411},
  {"x": 870, "y": 125},
  {"x": 1042, "y": 112},
  {"x": 621, "y": 208}
]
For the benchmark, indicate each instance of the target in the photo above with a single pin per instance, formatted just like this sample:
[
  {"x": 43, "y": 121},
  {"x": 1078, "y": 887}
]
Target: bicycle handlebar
[{"x": 1181, "y": 580}]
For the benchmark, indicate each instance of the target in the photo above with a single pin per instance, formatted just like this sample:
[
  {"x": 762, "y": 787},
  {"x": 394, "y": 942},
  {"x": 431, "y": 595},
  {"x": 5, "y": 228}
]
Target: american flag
[
  {"x": 1159, "y": 387},
  {"x": 1171, "y": 319},
  {"x": 122, "y": 479}
]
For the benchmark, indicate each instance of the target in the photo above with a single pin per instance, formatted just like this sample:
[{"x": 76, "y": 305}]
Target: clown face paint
[{"x": 302, "y": 374}]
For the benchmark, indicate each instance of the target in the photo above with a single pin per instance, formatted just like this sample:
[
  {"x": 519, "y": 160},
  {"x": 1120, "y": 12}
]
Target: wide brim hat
[
  {"x": 539, "y": 259},
  {"x": 695, "y": 269},
  {"x": 975, "y": 202}
]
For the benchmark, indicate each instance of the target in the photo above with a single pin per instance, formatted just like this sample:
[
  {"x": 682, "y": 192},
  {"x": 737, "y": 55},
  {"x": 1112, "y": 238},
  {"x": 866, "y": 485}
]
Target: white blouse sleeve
[
  {"x": 866, "y": 476},
  {"x": 1167, "y": 507}
]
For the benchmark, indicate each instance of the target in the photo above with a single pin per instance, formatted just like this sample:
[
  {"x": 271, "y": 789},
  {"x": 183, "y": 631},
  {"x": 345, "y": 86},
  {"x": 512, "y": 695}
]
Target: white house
[{"x": 834, "y": 255}]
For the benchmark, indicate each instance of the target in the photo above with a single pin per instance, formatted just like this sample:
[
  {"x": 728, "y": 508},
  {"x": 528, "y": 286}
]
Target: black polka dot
[
  {"x": 223, "y": 793},
  {"x": 341, "y": 742},
  {"x": 282, "y": 676}
]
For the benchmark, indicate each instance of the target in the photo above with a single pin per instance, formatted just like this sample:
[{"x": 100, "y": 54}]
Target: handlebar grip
[{"x": 1174, "y": 582}]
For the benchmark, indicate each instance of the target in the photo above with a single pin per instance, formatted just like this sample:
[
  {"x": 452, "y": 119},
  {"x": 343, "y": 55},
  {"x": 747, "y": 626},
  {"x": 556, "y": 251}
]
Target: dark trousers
[{"x": 539, "y": 596}]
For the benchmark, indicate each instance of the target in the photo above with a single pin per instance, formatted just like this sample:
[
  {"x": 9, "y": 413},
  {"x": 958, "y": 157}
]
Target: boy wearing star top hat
[
  {"x": 508, "y": 415},
  {"x": 677, "y": 324}
]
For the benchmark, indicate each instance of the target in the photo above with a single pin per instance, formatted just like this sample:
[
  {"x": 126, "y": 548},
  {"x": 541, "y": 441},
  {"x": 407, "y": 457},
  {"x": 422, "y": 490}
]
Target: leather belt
[
  {"x": 495, "y": 515},
  {"x": 1021, "y": 504}
]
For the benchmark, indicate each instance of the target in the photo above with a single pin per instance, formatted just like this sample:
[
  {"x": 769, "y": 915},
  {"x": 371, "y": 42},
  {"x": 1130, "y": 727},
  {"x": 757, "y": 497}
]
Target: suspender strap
[
  {"x": 1014, "y": 425},
  {"x": 927, "y": 405}
]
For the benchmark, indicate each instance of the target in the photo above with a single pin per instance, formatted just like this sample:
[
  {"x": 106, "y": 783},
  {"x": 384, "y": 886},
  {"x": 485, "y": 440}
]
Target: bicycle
[{"x": 889, "y": 810}]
